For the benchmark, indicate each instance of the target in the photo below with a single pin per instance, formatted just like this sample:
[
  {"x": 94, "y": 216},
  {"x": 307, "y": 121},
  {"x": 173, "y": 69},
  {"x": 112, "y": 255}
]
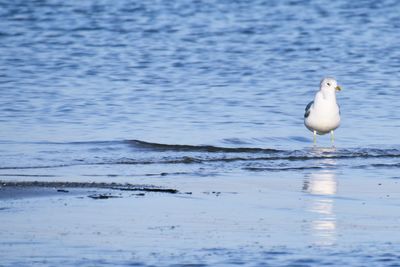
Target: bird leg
[
  {"x": 315, "y": 137},
  {"x": 332, "y": 138}
]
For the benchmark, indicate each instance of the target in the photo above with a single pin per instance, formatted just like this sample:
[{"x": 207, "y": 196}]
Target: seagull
[{"x": 323, "y": 115}]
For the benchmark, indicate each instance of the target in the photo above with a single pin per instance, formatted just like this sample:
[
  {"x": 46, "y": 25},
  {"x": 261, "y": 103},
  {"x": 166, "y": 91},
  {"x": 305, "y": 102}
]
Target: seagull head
[{"x": 329, "y": 85}]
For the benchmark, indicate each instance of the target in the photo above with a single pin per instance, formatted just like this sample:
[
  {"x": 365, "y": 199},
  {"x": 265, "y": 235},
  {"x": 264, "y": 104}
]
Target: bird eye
[{"x": 328, "y": 84}]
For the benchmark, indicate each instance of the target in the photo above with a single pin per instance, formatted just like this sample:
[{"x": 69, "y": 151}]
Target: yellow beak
[{"x": 338, "y": 88}]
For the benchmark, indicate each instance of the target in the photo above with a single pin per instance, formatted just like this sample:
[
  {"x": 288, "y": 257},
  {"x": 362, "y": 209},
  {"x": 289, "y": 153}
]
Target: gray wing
[{"x": 307, "y": 113}]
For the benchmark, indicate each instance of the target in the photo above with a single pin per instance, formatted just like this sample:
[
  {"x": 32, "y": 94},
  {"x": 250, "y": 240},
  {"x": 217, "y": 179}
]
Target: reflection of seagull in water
[
  {"x": 323, "y": 186},
  {"x": 322, "y": 115}
]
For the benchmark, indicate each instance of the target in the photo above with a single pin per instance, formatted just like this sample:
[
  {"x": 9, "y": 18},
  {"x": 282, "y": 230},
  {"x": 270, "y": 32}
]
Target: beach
[
  {"x": 172, "y": 133},
  {"x": 281, "y": 218}
]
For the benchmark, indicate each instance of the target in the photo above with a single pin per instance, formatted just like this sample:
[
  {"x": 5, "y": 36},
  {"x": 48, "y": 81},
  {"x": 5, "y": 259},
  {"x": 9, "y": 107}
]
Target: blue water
[
  {"x": 80, "y": 81},
  {"x": 113, "y": 90},
  {"x": 196, "y": 73}
]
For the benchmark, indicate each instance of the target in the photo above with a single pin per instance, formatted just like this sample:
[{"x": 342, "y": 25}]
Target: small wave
[
  {"x": 28, "y": 175},
  {"x": 140, "y": 153},
  {"x": 36, "y": 167},
  {"x": 96, "y": 143},
  {"x": 277, "y": 169},
  {"x": 200, "y": 148},
  {"x": 201, "y": 158},
  {"x": 379, "y": 165}
]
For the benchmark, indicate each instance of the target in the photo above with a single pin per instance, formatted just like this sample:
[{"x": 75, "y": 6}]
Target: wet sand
[
  {"x": 266, "y": 219},
  {"x": 28, "y": 189}
]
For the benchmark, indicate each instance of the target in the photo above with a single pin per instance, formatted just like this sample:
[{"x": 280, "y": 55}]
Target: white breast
[{"x": 324, "y": 115}]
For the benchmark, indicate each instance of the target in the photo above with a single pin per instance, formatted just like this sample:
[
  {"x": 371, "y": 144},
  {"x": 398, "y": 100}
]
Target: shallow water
[
  {"x": 185, "y": 93},
  {"x": 196, "y": 73}
]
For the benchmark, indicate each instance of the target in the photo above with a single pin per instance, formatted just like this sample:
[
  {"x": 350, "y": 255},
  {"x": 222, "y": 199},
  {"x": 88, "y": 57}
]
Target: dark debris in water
[
  {"x": 62, "y": 191},
  {"x": 103, "y": 196},
  {"x": 147, "y": 189}
]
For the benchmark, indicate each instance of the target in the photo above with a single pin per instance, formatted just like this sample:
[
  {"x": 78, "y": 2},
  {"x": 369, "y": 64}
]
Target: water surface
[{"x": 204, "y": 96}]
